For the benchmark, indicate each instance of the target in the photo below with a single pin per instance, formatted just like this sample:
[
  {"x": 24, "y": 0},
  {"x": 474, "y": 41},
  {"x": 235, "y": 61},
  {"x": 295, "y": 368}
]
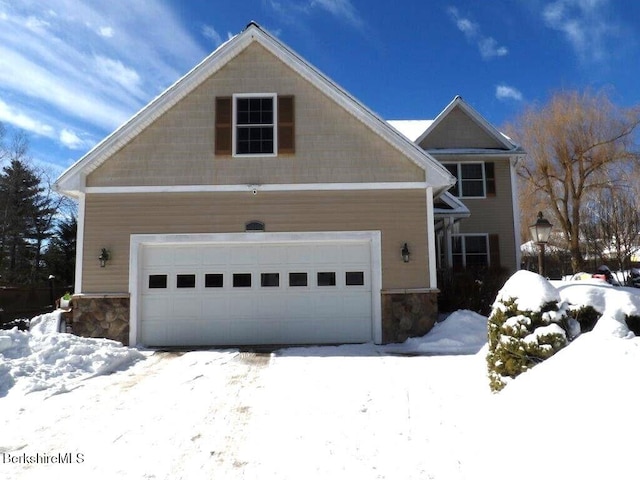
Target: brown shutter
[
  {"x": 223, "y": 126},
  {"x": 286, "y": 125},
  {"x": 494, "y": 250},
  {"x": 490, "y": 176}
]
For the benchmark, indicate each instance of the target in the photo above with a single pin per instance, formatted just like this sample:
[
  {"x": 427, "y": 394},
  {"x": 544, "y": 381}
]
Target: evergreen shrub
[{"x": 521, "y": 338}]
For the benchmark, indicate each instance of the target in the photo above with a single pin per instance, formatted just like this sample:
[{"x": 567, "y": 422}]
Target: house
[
  {"x": 256, "y": 202},
  {"x": 477, "y": 220}
]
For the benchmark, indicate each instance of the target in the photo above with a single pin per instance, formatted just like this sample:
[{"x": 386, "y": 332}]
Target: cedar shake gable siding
[{"x": 330, "y": 144}]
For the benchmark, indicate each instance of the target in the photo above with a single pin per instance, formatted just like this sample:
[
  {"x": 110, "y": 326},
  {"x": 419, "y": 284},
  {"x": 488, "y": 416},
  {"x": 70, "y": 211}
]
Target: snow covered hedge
[{"x": 526, "y": 329}]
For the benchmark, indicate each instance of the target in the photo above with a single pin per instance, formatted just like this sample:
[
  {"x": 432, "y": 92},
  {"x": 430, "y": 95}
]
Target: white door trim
[{"x": 140, "y": 240}]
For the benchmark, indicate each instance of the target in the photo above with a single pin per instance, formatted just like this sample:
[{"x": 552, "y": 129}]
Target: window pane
[
  {"x": 270, "y": 279},
  {"x": 326, "y": 279},
  {"x": 354, "y": 278},
  {"x": 471, "y": 171},
  {"x": 476, "y": 244},
  {"x": 157, "y": 281},
  {"x": 472, "y": 188},
  {"x": 254, "y": 140},
  {"x": 186, "y": 281},
  {"x": 298, "y": 279},
  {"x": 241, "y": 280},
  {"x": 213, "y": 280}
]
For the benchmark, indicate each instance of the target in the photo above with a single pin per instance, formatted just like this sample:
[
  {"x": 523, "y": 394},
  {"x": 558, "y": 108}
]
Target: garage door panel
[
  {"x": 354, "y": 254},
  {"x": 243, "y": 255},
  {"x": 273, "y": 309},
  {"x": 187, "y": 256}
]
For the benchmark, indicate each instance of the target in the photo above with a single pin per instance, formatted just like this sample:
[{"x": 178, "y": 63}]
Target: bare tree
[
  {"x": 615, "y": 223},
  {"x": 576, "y": 144}
]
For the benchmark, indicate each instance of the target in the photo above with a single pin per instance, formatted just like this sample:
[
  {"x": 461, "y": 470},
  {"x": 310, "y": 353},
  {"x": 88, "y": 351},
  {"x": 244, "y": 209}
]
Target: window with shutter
[{"x": 255, "y": 125}]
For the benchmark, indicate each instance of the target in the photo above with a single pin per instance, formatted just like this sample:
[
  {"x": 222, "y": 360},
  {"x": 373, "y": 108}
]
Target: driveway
[{"x": 344, "y": 412}]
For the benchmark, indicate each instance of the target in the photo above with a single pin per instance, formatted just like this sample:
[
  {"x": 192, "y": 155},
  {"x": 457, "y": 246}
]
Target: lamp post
[{"x": 540, "y": 232}]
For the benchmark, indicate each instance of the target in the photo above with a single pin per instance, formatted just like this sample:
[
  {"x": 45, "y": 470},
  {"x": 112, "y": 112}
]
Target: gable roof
[
  {"x": 71, "y": 182},
  {"x": 458, "y": 102}
]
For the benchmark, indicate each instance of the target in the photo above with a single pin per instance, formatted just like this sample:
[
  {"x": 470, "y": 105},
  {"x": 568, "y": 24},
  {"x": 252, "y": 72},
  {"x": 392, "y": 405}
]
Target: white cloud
[
  {"x": 91, "y": 78},
  {"x": 344, "y": 10},
  {"x": 340, "y": 8},
  {"x": 505, "y": 92},
  {"x": 71, "y": 140},
  {"x": 586, "y": 25},
  {"x": 23, "y": 121},
  {"x": 115, "y": 70},
  {"x": 487, "y": 46},
  {"x": 209, "y": 32},
  {"x": 106, "y": 32}
]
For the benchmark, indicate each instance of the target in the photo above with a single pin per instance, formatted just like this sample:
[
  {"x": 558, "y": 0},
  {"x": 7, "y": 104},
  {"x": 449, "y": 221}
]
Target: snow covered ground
[{"x": 86, "y": 408}]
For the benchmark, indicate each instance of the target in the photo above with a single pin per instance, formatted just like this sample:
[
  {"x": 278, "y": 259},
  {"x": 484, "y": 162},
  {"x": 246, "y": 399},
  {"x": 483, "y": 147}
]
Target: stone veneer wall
[
  {"x": 102, "y": 316},
  {"x": 408, "y": 313}
]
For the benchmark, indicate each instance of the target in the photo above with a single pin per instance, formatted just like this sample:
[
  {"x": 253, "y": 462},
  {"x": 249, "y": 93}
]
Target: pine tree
[
  {"x": 26, "y": 215},
  {"x": 60, "y": 254}
]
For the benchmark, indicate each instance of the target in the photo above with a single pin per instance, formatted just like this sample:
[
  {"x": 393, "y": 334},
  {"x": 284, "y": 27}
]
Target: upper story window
[
  {"x": 475, "y": 180},
  {"x": 255, "y": 124}
]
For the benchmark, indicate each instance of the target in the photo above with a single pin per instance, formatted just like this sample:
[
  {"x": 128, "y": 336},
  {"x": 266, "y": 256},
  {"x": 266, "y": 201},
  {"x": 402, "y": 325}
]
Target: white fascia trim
[
  {"x": 516, "y": 211},
  {"x": 138, "y": 241},
  {"x": 274, "y": 187},
  {"x": 79, "y": 244},
  {"x": 431, "y": 240}
]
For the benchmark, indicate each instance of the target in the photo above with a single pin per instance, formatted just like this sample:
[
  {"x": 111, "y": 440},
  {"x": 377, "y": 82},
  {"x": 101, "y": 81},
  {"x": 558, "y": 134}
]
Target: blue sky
[{"x": 72, "y": 71}]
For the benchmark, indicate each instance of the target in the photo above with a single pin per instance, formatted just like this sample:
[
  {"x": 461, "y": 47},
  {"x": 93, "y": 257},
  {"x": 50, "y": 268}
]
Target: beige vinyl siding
[
  {"x": 399, "y": 214},
  {"x": 458, "y": 130},
  {"x": 493, "y": 214},
  {"x": 330, "y": 144}
]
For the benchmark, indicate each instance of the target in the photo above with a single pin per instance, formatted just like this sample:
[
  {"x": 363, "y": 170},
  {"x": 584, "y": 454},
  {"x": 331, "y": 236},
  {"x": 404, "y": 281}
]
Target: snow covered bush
[
  {"x": 587, "y": 317},
  {"x": 528, "y": 324}
]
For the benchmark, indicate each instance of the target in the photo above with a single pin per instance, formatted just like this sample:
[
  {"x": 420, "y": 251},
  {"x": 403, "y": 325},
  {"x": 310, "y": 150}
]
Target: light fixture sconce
[
  {"x": 406, "y": 254},
  {"x": 104, "y": 257}
]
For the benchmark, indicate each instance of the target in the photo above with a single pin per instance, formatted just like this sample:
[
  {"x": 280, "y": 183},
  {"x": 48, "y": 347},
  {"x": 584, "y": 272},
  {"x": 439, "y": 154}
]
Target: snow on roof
[{"x": 412, "y": 129}]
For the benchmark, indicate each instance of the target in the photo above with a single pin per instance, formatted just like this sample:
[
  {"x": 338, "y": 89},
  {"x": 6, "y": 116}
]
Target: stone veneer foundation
[
  {"x": 102, "y": 316},
  {"x": 405, "y": 313},
  {"x": 408, "y": 313}
]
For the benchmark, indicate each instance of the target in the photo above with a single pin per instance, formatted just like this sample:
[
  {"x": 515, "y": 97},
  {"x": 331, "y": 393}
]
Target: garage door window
[
  {"x": 157, "y": 281},
  {"x": 326, "y": 279},
  {"x": 298, "y": 279},
  {"x": 354, "y": 278},
  {"x": 213, "y": 280},
  {"x": 241, "y": 280},
  {"x": 270, "y": 279},
  {"x": 186, "y": 281}
]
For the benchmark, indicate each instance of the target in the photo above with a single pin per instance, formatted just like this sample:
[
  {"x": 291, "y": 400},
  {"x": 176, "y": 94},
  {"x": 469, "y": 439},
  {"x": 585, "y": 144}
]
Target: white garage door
[{"x": 246, "y": 293}]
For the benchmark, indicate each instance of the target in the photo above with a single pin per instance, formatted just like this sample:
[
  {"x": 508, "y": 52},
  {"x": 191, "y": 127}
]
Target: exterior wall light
[
  {"x": 104, "y": 257},
  {"x": 540, "y": 232},
  {"x": 406, "y": 254}
]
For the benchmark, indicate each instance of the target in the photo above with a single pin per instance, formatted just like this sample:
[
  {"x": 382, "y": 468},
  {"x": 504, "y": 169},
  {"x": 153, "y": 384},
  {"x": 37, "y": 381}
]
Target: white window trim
[
  {"x": 234, "y": 129},
  {"x": 464, "y": 247},
  {"x": 458, "y": 185}
]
